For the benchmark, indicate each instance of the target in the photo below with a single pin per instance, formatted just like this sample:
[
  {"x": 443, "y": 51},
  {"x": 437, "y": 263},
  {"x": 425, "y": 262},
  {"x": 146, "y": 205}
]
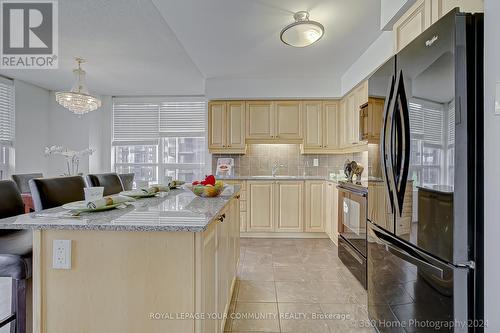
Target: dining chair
[
  {"x": 15, "y": 256},
  {"x": 22, "y": 181},
  {"x": 53, "y": 192},
  {"x": 110, "y": 181},
  {"x": 127, "y": 180}
]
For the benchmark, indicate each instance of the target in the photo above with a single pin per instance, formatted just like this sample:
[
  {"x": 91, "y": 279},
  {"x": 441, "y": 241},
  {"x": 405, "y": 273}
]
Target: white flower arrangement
[{"x": 72, "y": 157}]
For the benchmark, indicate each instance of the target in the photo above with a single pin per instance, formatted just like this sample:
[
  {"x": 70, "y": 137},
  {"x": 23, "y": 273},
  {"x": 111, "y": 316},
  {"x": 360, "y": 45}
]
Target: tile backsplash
[{"x": 260, "y": 158}]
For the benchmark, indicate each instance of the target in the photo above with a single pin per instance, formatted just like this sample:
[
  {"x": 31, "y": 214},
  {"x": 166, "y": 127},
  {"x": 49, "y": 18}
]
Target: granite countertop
[{"x": 179, "y": 210}]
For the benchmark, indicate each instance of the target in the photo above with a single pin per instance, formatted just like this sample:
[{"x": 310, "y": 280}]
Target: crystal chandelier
[{"x": 78, "y": 100}]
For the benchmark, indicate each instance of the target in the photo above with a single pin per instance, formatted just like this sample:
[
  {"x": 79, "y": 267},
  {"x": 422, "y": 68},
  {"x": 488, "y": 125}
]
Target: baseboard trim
[{"x": 283, "y": 235}]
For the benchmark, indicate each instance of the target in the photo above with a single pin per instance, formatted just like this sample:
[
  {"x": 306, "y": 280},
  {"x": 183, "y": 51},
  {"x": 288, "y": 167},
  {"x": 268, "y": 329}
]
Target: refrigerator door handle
[
  {"x": 414, "y": 260},
  {"x": 400, "y": 143},
  {"x": 398, "y": 248},
  {"x": 384, "y": 142}
]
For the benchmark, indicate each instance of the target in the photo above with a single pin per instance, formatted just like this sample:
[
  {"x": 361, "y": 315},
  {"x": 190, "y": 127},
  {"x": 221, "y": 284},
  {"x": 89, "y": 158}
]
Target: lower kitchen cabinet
[
  {"x": 315, "y": 201},
  {"x": 260, "y": 206},
  {"x": 289, "y": 206},
  {"x": 275, "y": 206},
  {"x": 331, "y": 211}
]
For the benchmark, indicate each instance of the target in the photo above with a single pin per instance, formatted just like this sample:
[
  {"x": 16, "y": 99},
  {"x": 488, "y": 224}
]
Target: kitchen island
[{"x": 164, "y": 264}]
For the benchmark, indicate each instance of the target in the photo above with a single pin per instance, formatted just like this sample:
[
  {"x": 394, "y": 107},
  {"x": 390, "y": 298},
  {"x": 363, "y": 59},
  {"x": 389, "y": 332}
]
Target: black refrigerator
[{"x": 424, "y": 229}]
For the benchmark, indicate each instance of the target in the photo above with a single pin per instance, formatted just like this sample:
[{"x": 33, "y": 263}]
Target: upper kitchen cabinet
[
  {"x": 349, "y": 134},
  {"x": 313, "y": 125},
  {"x": 226, "y": 127},
  {"x": 424, "y": 13},
  {"x": 273, "y": 122},
  {"x": 260, "y": 120},
  {"x": 288, "y": 120},
  {"x": 370, "y": 119},
  {"x": 321, "y": 127}
]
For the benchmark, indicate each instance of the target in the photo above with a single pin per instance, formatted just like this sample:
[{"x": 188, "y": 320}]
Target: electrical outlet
[
  {"x": 61, "y": 254},
  {"x": 315, "y": 162}
]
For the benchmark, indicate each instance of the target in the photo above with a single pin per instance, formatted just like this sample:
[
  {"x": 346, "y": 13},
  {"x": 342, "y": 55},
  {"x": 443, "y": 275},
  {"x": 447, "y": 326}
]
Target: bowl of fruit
[{"x": 208, "y": 188}]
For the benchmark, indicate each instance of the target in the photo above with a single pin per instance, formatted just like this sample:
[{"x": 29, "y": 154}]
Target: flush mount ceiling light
[
  {"x": 302, "y": 32},
  {"x": 78, "y": 100}
]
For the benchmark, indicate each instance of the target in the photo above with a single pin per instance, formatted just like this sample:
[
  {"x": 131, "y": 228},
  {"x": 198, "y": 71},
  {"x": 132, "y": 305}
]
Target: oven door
[{"x": 352, "y": 214}]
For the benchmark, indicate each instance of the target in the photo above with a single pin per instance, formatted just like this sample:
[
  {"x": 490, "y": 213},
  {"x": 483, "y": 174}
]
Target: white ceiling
[{"x": 166, "y": 47}]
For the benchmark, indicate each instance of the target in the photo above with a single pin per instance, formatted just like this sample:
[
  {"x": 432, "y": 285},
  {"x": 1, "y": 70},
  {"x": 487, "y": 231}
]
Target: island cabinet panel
[
  {"x": 260, "y": 211},
  {"x": 290, "y": 202},
  {"x": 138, "y": 281},
  {"x": 208, "y": 278},
  {"x": 118, "y": 281},
  {"x": 315, "y": 206}
]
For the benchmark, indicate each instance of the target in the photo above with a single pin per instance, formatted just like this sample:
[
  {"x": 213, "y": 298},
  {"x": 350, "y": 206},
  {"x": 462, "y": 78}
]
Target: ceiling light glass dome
[{"x": 302, "y": 32}]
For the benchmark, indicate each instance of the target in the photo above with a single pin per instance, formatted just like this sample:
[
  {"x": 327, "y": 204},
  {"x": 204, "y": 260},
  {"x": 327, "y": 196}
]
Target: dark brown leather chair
[
  {"x": 110, "y": 181},
  {"x": 127, "y": 180},
  {"x": 22, "y": 181},
  {"x": 54, "y": 192},
  {"x": 15, "y": 255}
]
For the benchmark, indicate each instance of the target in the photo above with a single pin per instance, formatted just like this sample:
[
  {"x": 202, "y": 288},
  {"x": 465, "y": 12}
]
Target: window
[
  {"x": 7, "y": 126},
  {"x": 156, "y": 138},
  {"x": 432, "y": 142}
]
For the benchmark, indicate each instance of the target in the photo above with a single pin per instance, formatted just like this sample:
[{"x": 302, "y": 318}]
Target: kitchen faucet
[{"x": 276, "y": 167}]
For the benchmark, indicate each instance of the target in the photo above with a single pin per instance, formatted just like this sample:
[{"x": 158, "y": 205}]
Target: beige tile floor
[{"x": 295, "y": 285}]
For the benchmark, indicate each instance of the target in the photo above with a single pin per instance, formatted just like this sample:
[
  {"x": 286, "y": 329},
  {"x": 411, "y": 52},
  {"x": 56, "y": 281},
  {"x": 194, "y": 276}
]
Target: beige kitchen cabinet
[
  {"x": 468, "y": 6},
  {"x": 371, "y": 116},
  {"x": 223, "y": 267},
  {"x": 423, "y": 13},
  {"x": 331, "y": 125},
  {"x": 331, "y": 211},
  {"x": 275, "y": 206},
  {"x": 242, "y": 201},
  {"x": 314, "y": 202},
  {"x": 260, "y": 206},
  {"x": 209, "y": 281},
  {"x": 259, "y": 120},
  {"x": 226, "y": 127},
  {"x": 350, "y": 137},
  {"x": 288, "y": 120},
  {"x": 412, "y": 23},
  {"x": 321, "y": 127},
  {"x": 289, "y": 206},
  {"x": 216, "y": 125},
  {"x": 313, "y": 125},
  {"x": 273, "y": 121}
]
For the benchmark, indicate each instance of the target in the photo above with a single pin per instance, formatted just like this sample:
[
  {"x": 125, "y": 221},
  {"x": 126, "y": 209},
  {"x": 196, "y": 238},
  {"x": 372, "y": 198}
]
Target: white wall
[
  {"x": 92, "y": 130},
  {"x": 391, "y": 10},
  {"x": 277, "y": 87},
  {"x": 492, "y": 163},
  {"x": 374, "y": 56},
  {"x": 32, "y": 128}
]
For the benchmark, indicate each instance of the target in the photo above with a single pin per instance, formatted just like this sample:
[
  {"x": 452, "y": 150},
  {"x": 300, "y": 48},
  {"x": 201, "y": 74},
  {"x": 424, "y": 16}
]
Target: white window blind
[
  {"x": 7, "y": 116},
  {"x": 427, "y": 120},
  {"x": 135, "y": 121},
  {"x": 182, "y": 117},
  {"x": 158, "y": 137}
]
